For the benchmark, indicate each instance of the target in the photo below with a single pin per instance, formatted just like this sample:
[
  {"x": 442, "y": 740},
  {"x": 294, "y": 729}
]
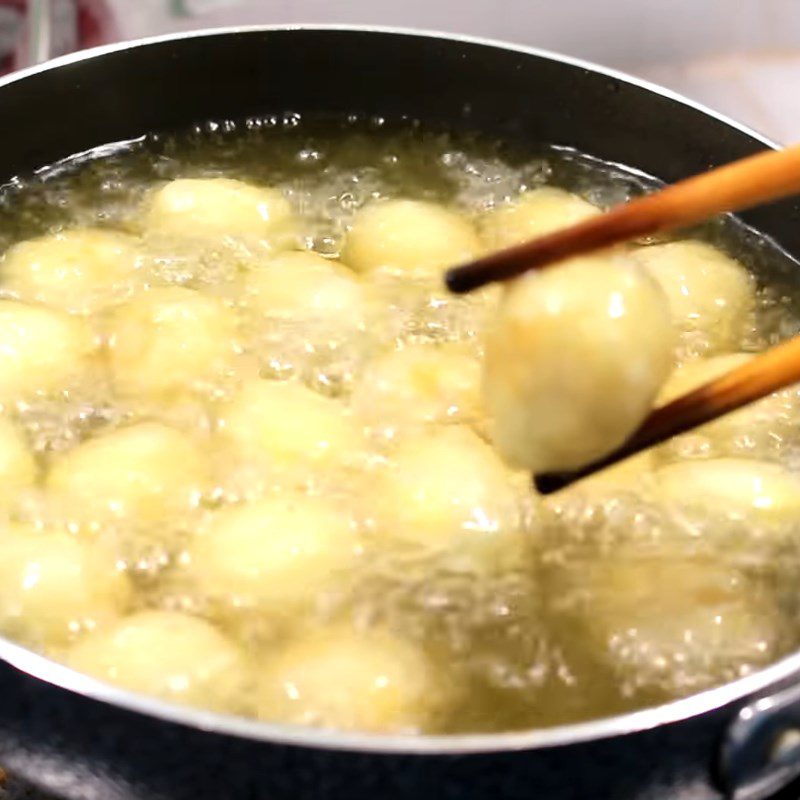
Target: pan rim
[{"x": 41, "y": 668}]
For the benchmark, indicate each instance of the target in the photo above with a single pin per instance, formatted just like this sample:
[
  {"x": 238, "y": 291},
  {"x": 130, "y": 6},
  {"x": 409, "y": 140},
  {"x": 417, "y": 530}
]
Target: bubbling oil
[{"x": 322, "y": 558}]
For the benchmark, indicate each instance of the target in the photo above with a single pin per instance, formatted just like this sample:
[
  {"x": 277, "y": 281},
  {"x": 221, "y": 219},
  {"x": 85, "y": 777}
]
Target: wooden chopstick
[
  {"x": 774, "y": 369},
  {"x": 757, "y": 179}
]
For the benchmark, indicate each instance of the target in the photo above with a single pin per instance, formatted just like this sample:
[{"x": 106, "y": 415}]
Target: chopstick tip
[
  {"x": 458, "y": 280},
  {"x": 550, "y": 482}
]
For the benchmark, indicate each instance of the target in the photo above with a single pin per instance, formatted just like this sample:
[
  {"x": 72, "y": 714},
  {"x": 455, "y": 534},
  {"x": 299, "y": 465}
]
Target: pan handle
[{"x": 760, "y": 754}]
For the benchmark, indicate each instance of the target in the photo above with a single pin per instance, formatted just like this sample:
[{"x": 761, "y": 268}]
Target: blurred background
[{"x": 741, "y": 57}]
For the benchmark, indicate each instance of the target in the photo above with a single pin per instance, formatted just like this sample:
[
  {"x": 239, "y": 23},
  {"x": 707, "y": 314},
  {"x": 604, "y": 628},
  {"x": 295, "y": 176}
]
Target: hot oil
[{"x": 518, "y": 638}]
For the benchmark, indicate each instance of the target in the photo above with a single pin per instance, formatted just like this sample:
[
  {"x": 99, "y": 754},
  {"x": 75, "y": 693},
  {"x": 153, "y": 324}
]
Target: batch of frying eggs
[{"x": 573, "y": 359}]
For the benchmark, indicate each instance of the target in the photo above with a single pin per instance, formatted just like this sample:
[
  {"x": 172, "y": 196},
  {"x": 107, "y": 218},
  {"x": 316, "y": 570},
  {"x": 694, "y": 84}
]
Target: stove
[{"x": 12, "y": 789}]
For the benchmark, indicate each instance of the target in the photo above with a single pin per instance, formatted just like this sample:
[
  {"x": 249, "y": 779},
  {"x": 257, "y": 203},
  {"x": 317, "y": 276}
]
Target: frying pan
[{"x": 76, "y": 738}]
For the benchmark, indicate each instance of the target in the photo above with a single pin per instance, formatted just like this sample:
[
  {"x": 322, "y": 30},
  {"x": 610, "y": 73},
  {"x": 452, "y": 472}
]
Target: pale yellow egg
[
  {"x": 417, "y": 238},
  {"x": 574, "y": 361},
  {"x": 288, "y": 424},
  {"x": 534, "y": 213},
  {"x": 305, "y": 286},
  {"x": 219, "y": 209},
  {"x": 420, "y": 384},
  {"x": 80, "y": 270},
  {"x": 278, "y": 550},
  {"x": 143, "y": 473},
  {"x": 448, "y": 490},
  {"x": 742, "y": 488},
  {"x": 757, "y": 427},
  {"x": 53, "y": 586},
  {"x": 169, "y": 655},
  {"x": 675, "y": 623},
  {"x": 711, "y": 296},
  {"x": 371, "y": 681},
  {"x": 170, "y": 339},
  {"x": 43, "y": 350}
]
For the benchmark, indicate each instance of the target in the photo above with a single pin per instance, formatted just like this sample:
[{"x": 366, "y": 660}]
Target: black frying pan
[{"x": 77, "y": 738}]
